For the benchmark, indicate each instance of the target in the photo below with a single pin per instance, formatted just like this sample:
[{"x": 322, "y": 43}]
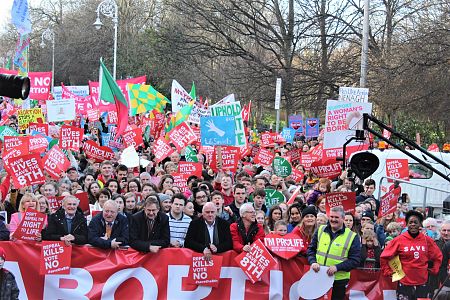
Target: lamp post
[
  {"x": 49, "y": 35},
  {"x": 109, "y": 9}
]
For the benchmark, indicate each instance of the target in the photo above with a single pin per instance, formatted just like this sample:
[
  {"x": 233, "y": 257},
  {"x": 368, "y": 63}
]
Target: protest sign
[
  {"x": 97, "y": 152},
  {"x": 54, "y": 203},
  {"x": 26, "y": 170},
  {"x": 112, "y": 117},
  {"x": 70, "y": 138},
  {"x": 229, "y": 159},
  {"x": 273, "y": 197},
  {"x": 245, "y": 112},
  {"x": 397, "y": 168},
  {"x": 181, "y": 98},
  {"x": 397, "y": 269},
  {"x": 7, "y": 131},
  {"x": 277, "y": 138},
  {"x": 342, "y": 119},
  {"x": 83, "y": 197},
  {"x": 297, "y": 175},
  {"x": 20, "y": 143},
  {"x": 329, "y": 169},
  {"x": 433, "y": 148},
  {"x": 133, "y": 138},
  {"x": 55, "y": 162},
  {"x": 56, "y": 257},
  {"x": 190, "y": 154},
  {"x": 161, "y": 149},
  {"x": 40, "y": 83},
  {"x": 388, "y": 202},
  {"x": 208, "y": 151},
  {"x": 295, "y": 154},
  {"x": 264, "y": 157},
  {"x": 312, "y": 127},
  {"x": 345, "y": 199},
  {"x": 288, "y": 134},
  {"x": 256, "y": 262},
  {"x": 181, "y": 136},
  {"x": 296, "y": 122},
  {"x": 180, "y": 181},
  {"x": 31, "y": 224},
  {"x": 190, "y": 168},
  {"x": 203, "y": 272},
  {"x": 281, "y": 167},
  {"x": 41, "y": 128},
  {"x": 27, "y": 116},
  {"x": 232, "y": 109},
  {"x": 286, "y": 246},
  {"x": 353, "y": 94},
  {"x": 317, "y": 151},
  {"x": 93, "y": 115},
  {"x": 60, "y": 110},
  {"x": 217, "y": 131},
  {"x": 38, "y": 143},
  {"x": 266, "y": 140}
]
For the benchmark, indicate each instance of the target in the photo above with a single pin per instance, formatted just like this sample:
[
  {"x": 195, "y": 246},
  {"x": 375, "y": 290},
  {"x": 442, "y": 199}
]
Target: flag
[
  {"x": 20, "y": 16},
  {"x": 144, "y": 98},
  {"x": 193, "y": 93},
  {"x": 21, "y": 56},
  {"x": 110, "y": 92},
  {"x": 180, "y": 116}
]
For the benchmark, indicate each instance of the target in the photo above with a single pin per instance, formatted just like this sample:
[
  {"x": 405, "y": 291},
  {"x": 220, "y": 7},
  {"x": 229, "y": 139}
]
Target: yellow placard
[
  {"x": 396, "y": 266},
  {"x": 27, "y": 116}
]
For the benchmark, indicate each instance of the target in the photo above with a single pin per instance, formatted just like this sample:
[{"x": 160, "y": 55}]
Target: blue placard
[
  {"x": 296, "y": 122},
  {"x": 218, "y": 131},
  {"x": 288, "y": 134},
  {"x": 312, "y": 127}
]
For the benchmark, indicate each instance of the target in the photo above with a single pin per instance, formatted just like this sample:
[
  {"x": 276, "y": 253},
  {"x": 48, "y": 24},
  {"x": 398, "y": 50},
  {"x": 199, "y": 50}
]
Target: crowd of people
[{"x": 220, "y": 211}]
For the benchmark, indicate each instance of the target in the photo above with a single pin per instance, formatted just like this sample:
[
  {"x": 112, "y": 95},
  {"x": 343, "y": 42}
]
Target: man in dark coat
[
  {"x": 109, "y": 229},
  {"x": 67, "y": 224},
  {"x": 209, "y": 234},
  {"x": 150, "y": 228}
]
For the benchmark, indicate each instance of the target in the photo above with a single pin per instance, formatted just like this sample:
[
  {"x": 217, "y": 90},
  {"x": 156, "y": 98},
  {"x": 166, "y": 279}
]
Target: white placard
[
  {"x": 60, "y": 110},
  {"x": 278, "y": 94}
]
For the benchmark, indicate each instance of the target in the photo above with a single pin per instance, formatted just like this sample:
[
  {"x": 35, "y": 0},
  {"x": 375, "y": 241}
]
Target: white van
[{"x": 424, "y": 186}]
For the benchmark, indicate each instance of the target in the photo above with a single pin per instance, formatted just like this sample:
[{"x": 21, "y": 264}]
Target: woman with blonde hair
[
  {"x": 28, "y": 201},
  {"x": 307, "y": 226}
]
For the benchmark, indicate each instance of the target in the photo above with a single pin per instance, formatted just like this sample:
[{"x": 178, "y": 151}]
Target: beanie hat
[
  {"x": 309, "y": 210},
  {"x": 368, "y": 214},
  {"x": 2, "y": 253}
]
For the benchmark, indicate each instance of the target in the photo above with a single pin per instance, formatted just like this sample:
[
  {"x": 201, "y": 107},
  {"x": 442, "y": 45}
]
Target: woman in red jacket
[
  {"x": 246, "y": 230},
  {"x": 307, "y": 226},
  {"x": 415, "y": 250}
]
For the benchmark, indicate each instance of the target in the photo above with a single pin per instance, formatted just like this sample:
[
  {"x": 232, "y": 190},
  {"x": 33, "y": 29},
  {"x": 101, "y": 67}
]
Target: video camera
[{"x": 13, "y": 86}]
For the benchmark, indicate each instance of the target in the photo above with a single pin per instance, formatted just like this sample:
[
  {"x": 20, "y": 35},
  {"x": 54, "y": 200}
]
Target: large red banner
[{"x": 97, "y": 274}]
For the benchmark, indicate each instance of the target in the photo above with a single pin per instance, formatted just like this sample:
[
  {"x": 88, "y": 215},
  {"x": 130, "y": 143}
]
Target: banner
[
  {"x": 288, "y": 134},
  {"x": 286, "y": 246},
  {"x": 161, "y": 149},
  {"x": 232, "y": 109},
  {"x": 180, "y": 98},
  {"x": 397, "y": 168},
  {"x": 264, "y": 157},
  {"x": 55, "y": 258},
  {"x": 345, "y": 199},
  {"x": 203, "y": 272},
  {"x": 97, "y": 152},
  {"x": 40, "y": 83},
  {"x": 62, "y": 110},
  {"x": 19, "y": 143},
  {"x": 41, "y": 128},
  {"x": 133, "y": 138},
  {"x": 330, "y": 169},
  {"x": 230, "y": 159},
  {"x": 180, "y": 181},
  {"x": 353, "y": 94},
  {"x": 342, "y": 119},
  {"x": 190, "y": 168},
  {"x": 97, "y": 273},
  {"x": 296, "y": 122},
  {"x": 26, "y": 170},
  {"x": 32, "y": 223},
  {"x": 27, "y": 116},
  {"x": 70, "y": 138},
  {"x": 312, "y": 127},
  {"x": 218, "y": 131},
  {"x": 70, "y": 91},
  {"x": 55, "y": 162},
  {"x": 181, "y": 136},
  {"x": 256, "y": 262},
  {"x": 388, "y": 202}
]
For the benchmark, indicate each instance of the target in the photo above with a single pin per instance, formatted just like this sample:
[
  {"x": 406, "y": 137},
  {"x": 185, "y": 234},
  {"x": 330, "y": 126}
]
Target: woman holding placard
[{"x": 28, "y": 201}]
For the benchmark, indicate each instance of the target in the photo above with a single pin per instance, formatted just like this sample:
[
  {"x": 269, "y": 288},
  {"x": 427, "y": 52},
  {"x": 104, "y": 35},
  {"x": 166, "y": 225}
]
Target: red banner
[
  {"x": 97, "y": 152},
  {"x": 82, "y": 104},
  {"x": 190, "y": 168},
  {"x": 397, "y": 168},
  {"x": 133, "y": 138},
  {"x": 306, "y": 160},
  {"x": 286, "y": 246},
  {"x": 20, "y": 143},
  {"x": 345, "y": 199},
  {"x": 161, "y": 149},
  {"x": 70, "y": 138},
  {"x": 31, "y": 224},
  {"x": 40, "y": 83},
  {"x": 182, "y": 136},
  {"x": 330, "y": 169},
  {"x": 97, "y": 273},
  {"x": 55, "y": 258},
  {"x": 388, "y": 202},
  {"x": 26, "y": 170},
  {"x": 38, "y": 144},
  {"x": 180, "y": 181},
  {"x": 264, "y": 157},
  {"x": 55, "y": 162},
  {"x": 230, "y": 158},
  {"x": 41, "y": 128},
  {"x": 266, "y": 140},
  {"x": 203, "y": 272}
]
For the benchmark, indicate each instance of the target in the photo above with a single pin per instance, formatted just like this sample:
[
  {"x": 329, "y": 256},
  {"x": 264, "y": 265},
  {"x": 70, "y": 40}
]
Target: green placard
[
  {"x": 281, "y": 167},
  {"x": 273, "y": 197},
  {"x": 190, "y": 154},
  {"x": 7, "y": 131}
]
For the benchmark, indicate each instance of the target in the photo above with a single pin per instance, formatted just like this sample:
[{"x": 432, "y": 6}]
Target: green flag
[{"x": 144, "y": 98}]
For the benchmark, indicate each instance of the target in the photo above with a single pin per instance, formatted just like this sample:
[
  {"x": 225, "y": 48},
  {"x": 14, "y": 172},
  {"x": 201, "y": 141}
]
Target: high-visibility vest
[{"x": 332, "y": 252}]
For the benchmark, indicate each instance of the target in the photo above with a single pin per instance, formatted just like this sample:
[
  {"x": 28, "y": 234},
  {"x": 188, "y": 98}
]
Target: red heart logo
[
  {"x": 296, "y": 125},
  {"x": 286, "y": 246},
  {"x": 312, "y": 122}
]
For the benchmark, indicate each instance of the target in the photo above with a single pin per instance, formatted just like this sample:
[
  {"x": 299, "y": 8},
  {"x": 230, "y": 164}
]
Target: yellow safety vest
[{"x": 332, "y": 252}]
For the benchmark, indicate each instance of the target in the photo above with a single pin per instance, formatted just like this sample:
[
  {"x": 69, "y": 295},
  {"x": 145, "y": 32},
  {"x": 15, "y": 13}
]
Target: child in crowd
[
  {"x": 280, "y": 228},
  {"x": 323, "y": 187},
  {"x": 370, "y": 250},
  {"x": 393, "y": 229}
]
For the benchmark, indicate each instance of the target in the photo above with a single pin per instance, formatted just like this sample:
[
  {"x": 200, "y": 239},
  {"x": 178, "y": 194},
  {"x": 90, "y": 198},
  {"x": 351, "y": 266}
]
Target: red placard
[
  {"x": 38, "y": 143},
  {"x": 297, "y": 175},
  {"x": 203, "y": 272},
  {"x": 254, "y": 151},
  {"x": 97, "y": 152},
  {"x": 388, "y": 202},
  {"x": 330, "y": 169},
  {"x": 230, "y": 158},
  {"x": 190, "y": 168},
  {"x": 286, "y": 246},
  {"x": 55, "y": 162},
  {"x": 245, "y": 151},
  {"x": 26, "y": 170},
  {"x": 112, "y": 117},
  {"x": 266, "y": 140},
  {"x": 84, "y": 200},
  {"x": 256, "y": 262},
  {"x": 161, "y": 149},
  {"x": 317, "y": 151},
  {"x": 182, "y": 136},
  {"x": 278, "y": 138},
  {"x": 397, "y": 168},
  {"x": 306, "y": 160},
  {"x": 70, "y": 137},
  {"x": 54, "y": 203},
  {"x": 295, "y": 154},
  {"x": 209, "y": 153},
  {"x": 20, "y": 143},
  {"x": 345, "y": 199},
  {"x": 133, "y": 138},
  {"x": 180, "y": 181},
  {"x": 93, "y": 115},
  {"x": 264, "y": 157},
  {"x": 40, "y": 85},
  {"x": 433, "y": 148},
  {"x": 56, "y": 257},
  {"x": 31, "y": 224},
  {"x": 41, "y": 128}
]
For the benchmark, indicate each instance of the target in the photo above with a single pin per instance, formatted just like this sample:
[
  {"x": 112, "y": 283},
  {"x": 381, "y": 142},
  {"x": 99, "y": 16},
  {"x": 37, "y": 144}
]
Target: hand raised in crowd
[
  {"x": 154, "y": 249},
  {"x": 115, "y": 245},
  {"x": 228, "y": 210}
]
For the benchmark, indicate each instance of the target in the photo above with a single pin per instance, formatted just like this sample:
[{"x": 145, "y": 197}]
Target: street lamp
[
  {"x": 49, "y": 35},
  {"x": 109, "y": 9}
]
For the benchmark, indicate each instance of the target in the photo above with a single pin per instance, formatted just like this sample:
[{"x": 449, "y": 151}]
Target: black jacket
[
  {"x": 8, "y": 289},
  {"x": 57, "y": 227},
  {"x": 4, "y": 232},
  {"x": 377, "y": 252},
  {"x": 97, "y": 229},
  {"x": 140, "y": 239},
  {"x": 196, "y": 236}
]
